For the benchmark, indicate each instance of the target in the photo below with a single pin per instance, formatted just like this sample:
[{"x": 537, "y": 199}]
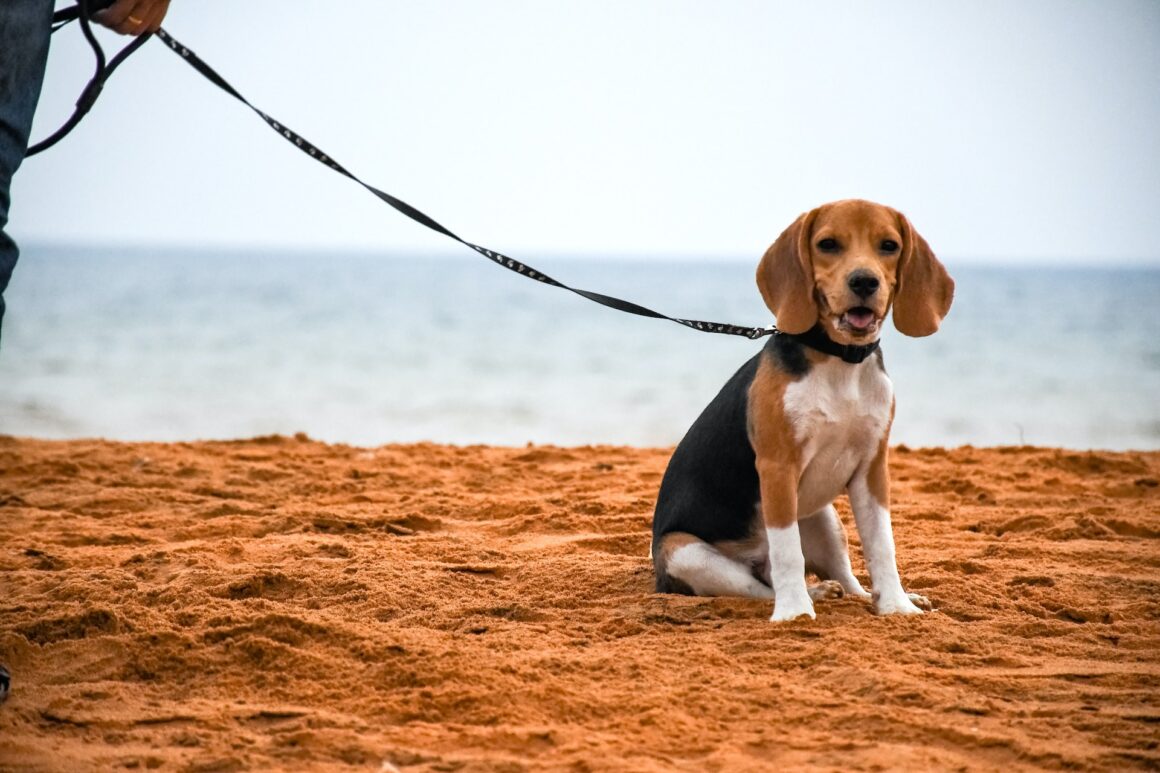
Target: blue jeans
[{"x": 25, "y": 26}]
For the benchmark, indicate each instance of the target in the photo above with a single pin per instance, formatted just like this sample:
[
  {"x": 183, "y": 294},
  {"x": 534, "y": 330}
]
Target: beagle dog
[{"x": 746, "y": 505}]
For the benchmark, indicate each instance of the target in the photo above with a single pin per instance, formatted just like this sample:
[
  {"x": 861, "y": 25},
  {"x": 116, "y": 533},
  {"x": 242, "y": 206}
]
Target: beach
[
  {"x": 297, "y": 478},
  {"x": 281, "y": 603}
]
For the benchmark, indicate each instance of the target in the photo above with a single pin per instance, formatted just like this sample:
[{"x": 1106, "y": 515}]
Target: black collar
[{"x": 816, "y": 338}]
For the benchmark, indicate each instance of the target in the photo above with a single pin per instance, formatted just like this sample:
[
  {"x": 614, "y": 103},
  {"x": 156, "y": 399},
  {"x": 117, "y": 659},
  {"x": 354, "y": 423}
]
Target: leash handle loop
[{"x": 102, "y": 72}]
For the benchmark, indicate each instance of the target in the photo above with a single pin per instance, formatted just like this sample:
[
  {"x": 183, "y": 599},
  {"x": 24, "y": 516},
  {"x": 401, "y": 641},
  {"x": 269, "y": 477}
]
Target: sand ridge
[{"x": 280, "y": 603}]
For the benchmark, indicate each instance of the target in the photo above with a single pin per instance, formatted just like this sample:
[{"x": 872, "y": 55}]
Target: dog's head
[{"x": 844, "y": 264}]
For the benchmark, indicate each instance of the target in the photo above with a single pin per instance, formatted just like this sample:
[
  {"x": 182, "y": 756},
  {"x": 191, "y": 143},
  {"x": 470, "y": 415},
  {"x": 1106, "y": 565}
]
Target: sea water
[{"x": 367, "y": 349}]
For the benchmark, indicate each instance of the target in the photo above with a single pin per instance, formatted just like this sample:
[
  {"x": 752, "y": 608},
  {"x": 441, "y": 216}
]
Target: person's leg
[{"x": 25, "y": 27}]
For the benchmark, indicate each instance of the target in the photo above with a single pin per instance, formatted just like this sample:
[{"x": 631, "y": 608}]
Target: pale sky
[{"x": 1026, "y": 132}]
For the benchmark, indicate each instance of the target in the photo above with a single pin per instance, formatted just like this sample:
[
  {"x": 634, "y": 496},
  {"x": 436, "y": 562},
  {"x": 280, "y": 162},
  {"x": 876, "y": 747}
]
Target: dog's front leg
[
  {"x": 869, "y": 492},
  {"x": 787, "y": 563}
]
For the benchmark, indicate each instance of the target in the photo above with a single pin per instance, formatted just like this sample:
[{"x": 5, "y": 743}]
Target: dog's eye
[
  {"x": 828, "y": 245},
  {"x": 888, "y": 245}
]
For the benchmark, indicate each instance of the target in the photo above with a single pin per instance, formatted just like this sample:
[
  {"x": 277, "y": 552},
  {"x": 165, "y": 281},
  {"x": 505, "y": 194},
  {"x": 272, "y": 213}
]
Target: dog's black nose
[{"x": 863, "y": 283}]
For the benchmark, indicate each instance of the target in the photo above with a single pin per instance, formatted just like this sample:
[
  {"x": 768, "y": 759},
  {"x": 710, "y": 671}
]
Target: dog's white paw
[
  {"x": 826, "y": 590},
  {"x": 897, "y": 604},
  {"x": 791, "y": 611}
]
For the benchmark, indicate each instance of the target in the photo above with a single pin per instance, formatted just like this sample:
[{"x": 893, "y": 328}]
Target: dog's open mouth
[{"x": 859, "y": 319}]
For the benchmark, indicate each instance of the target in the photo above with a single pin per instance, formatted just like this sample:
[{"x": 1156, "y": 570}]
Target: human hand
[{"x": 133, "y": 17}]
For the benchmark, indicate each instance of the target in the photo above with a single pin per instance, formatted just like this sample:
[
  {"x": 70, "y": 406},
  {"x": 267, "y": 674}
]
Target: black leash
[
  {"x": 419, "y": 217},
  {"x": 83, "y": 10}
]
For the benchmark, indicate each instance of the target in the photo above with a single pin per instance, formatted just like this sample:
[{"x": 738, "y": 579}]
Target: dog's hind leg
[
  {"x": 695, "y": 564},
  {"x": 827, "y": 552}
]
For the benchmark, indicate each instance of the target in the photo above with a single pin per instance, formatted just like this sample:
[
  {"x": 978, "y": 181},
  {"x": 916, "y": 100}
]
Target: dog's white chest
[{"x": 838, "y": 414}]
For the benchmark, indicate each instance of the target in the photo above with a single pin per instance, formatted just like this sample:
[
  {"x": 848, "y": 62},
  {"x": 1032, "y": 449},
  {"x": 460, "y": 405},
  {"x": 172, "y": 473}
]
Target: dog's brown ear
[
  {"x": 785, "y": 277},
  {"x": 925, "y": 289}
]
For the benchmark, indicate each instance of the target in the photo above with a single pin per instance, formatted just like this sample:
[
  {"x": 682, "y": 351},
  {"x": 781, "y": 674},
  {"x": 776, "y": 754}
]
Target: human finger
[
  {"x": 119, "y": 16},
  {"x": 155, "y": 15}
]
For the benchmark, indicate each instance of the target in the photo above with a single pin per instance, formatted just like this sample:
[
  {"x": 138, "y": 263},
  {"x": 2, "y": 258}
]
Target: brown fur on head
[{"x": 844, "y": 264}]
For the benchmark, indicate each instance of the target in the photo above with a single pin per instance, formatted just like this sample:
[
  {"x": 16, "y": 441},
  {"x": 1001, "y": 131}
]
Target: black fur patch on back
[{"x": 710, "y": 488}]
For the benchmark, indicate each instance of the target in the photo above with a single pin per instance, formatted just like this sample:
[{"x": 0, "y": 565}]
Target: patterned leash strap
[{"x": 497, "y": 257}]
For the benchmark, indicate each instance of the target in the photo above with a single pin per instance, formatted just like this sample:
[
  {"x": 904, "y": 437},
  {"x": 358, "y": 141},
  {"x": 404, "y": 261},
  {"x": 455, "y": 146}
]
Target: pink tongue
[{"x": 860, "y": 319}]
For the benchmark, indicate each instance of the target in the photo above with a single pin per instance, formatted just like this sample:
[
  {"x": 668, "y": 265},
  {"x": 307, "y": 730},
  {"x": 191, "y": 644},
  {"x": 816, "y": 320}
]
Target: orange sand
[{"x": 280, "y": 603}]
